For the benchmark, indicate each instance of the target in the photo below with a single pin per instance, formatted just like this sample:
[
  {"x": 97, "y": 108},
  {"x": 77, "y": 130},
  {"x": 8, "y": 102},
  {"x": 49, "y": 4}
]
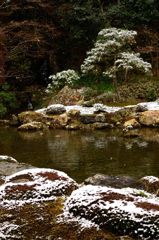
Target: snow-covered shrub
[
  {"x": 130, "y": 61},
  {"x": 60, "y": 79},
  {"x": 112, "y": 52}
]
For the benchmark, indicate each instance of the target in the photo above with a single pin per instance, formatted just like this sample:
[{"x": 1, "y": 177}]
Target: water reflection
[{"x": 84, "y": 153}]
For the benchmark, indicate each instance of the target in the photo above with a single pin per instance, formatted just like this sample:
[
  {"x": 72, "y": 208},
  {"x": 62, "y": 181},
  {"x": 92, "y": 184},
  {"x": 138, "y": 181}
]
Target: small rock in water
[
  {"x": 9, "y": 165},
  {"x": 7, "y": 158},
  {"x": 32, "y": 126},
  {"x": 111, "y": 181},
  {"x": 150, "y": 183}
]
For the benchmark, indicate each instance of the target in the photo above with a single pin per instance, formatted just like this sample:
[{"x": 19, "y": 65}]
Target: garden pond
[{"x": 82, "y": 154}]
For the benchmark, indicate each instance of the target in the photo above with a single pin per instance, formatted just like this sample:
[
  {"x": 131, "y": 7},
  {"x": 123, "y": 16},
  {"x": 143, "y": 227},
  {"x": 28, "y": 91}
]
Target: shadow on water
[{"x": 84, "y": 153}]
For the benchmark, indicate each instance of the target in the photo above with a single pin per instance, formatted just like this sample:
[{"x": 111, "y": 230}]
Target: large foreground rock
[
  {"x": 123, "y": 211},
  {"x": 33, "y": 185},
  {"x": 31, "y": 204}
]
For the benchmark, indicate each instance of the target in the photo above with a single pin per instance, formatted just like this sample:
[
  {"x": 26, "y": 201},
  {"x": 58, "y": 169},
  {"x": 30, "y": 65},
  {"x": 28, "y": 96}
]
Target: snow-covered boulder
[
  {"x": 123, "y": 211},
  {"x": 55, "y": 109},
  {"x": 33, "y": 185}
]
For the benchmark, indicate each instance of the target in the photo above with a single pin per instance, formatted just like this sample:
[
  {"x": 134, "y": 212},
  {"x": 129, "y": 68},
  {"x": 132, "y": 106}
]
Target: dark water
[{"x": 84, "y": 153}]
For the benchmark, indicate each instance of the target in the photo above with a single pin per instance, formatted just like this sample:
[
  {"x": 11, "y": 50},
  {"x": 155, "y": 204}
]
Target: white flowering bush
[
  {"x": 60, "y": 79},
  {"x": 112, "y": 53}
]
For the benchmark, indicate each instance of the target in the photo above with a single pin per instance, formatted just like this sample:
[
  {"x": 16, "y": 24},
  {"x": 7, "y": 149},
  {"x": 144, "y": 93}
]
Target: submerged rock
[
  {"x": 131, "y": 133},
  {"x": 100, "y": 125},
  {"x": 73, "y": 126},
  {"x": 9, "y": 165},
  {"x": 31, "y": 126},
  {"x": 123, "y": 211},
  {"x": 111, "y": 181}
]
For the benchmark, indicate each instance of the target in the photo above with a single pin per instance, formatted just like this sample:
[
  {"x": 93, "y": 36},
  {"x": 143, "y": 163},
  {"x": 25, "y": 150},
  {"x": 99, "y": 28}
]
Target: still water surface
[{"x": 84, "y": 153}]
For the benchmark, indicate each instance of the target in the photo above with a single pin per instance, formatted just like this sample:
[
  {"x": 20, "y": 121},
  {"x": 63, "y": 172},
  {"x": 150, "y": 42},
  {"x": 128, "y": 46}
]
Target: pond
[{"x": 84, "y": 153}]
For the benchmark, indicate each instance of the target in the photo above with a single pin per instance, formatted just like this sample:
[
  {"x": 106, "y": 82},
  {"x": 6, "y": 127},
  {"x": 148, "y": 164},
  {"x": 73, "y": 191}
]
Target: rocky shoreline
[
  {"x": 97, "y": 116},
  {"x": 39, "y": 203}
]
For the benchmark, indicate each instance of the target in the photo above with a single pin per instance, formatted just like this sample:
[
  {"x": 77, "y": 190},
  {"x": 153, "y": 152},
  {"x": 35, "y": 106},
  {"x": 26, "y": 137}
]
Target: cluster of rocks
[
  {"x": 98, "y": 116},
  {"x": 36, "y": 203}
]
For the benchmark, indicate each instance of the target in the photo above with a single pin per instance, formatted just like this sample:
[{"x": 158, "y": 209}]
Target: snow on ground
[
  {"x": 86, "y": 110},
  {"x": 105, "y": 108},
  {"x": 150, "y": 105}
]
